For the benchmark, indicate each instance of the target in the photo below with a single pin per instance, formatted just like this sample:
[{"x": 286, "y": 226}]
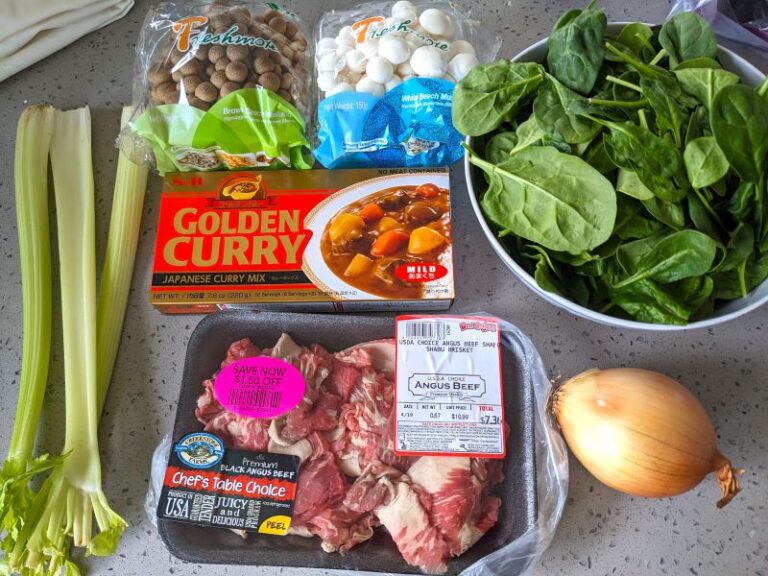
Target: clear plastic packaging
[
  {"x": 546, "y": 466},
  {"x": 384, "y": 78},
  {"x": 221, "y": 86},
  {"x": 743, "y": 21}
]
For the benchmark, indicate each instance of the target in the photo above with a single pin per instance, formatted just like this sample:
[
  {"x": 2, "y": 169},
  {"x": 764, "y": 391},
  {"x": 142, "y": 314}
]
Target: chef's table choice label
[
  {"x": 259, "y": 387},
  {"x": 242, "y": 490},
  {"x": 449, "y": 387}
]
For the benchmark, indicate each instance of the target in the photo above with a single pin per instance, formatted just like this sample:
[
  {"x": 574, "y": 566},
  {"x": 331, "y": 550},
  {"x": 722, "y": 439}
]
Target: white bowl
[{"x": 751, "y": 76}]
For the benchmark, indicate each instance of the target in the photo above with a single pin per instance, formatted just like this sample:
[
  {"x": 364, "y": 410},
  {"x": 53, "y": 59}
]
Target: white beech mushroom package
[
  {"x": 221, "y": 86},
  {"x": 385, "y": 73}
]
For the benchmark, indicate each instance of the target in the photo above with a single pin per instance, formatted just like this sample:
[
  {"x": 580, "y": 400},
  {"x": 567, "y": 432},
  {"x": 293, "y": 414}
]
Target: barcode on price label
[
  {"x": 248, "y": 397},
  {"x": 431, "y": 330}
]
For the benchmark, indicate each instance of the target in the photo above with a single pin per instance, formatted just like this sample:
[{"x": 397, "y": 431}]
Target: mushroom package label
[
  {"x": 385, "y": 74},
  {"x": 221, "y": 86}
]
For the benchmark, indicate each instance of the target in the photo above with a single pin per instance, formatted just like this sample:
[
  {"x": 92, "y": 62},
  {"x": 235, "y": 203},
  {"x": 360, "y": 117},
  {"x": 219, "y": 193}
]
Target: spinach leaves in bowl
[{"x": 659, "y": 214}]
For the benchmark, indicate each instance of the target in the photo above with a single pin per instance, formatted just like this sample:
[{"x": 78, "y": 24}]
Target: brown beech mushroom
[
  {"x": 263, "y": 64},
  {"x": 237, "y": 52},
  {"x": 202, "y": 54},
  {"x": 228, "y": 88},
  {"x": 197, "y": 103},
  {"x": 222, "y": 63},
  {"x": 236, "y": 71},
  {"x": 207, "y": 92},
  {"x": 190, "y": 67},
  {"x": 191, "y": 82},
  {"x": 290, "y": 29},
  {"x": 219, "y": 78},
  {"x": 270, "y": 81},
  {"x": 167, "y": 93},
  {"x": 215, "y": 52},
  {"x": 158, "y": 74},
  {"x": 278, "y": 24}
]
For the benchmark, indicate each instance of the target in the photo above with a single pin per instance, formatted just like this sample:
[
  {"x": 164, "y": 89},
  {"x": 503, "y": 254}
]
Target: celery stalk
[
  {"x": 124, "y": 227},
  {"x": 72, "y": 495},
  {"x": 33, "y": 139}
]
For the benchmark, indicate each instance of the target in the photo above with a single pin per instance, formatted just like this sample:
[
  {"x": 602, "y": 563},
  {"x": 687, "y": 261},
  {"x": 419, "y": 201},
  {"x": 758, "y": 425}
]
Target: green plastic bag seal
[{"x": 251, "y": 128}]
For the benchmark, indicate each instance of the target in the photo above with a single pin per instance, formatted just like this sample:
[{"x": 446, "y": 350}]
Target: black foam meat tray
[{"x": 208, "y": 347}]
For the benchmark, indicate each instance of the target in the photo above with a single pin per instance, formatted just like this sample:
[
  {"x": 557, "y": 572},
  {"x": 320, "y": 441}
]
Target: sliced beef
[
  {"x": 350, "y": 480},
  {"x": 462, "y": 507}
]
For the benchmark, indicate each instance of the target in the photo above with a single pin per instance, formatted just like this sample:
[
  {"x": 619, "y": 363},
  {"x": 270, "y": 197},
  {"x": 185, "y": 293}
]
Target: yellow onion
[{"x": 641, "y": 433}]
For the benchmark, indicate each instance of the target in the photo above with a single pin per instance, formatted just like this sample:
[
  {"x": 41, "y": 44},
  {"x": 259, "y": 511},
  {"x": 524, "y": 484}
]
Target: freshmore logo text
[{"x": 193, "y": 32}]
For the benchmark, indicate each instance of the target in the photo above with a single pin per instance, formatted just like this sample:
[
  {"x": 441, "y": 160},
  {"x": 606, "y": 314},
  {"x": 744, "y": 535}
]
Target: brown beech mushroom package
[{"x": 221, "y": 86}]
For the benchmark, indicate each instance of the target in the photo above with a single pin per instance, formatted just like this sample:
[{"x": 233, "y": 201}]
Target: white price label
[{"x": 449, "y": 390}]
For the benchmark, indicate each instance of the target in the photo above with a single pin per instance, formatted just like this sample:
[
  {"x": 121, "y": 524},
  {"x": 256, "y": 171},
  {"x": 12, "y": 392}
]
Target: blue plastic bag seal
[{"x": 410, "y": 126}]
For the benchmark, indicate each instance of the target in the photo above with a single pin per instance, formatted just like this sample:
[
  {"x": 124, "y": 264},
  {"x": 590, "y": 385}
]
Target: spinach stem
[
  {"x": 641, "y": 67},
  {"x": 656, "y": 59},
  {"x": 743, "y": 278},
  {"x": 645, "y": 42},
  {"x": 643, "y": 121},
  {"x": 630, "y": 85},
  {"x": 640, "y": 103},
  {"x": 762, "y": 90},
  {"x": 607, "y": 307},
  {"x": 708, "y": 208}
]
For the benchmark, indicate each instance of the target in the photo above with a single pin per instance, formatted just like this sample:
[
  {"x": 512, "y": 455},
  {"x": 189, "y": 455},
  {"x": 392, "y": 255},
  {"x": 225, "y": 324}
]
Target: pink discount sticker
[{"x": 259, "y": 387}]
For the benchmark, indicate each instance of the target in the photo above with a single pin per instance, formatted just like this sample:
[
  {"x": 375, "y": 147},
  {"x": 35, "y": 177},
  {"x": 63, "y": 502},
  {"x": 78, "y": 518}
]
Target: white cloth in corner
[{"x": 34, "y": 29}]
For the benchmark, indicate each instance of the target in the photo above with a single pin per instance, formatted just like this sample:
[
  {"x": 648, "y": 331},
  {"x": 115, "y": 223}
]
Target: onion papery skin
[{"x": 640, "y": 432}]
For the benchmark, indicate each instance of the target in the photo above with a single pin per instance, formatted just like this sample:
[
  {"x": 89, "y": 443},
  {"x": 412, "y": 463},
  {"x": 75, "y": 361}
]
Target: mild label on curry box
[
  {"x": 449, "y": 389},
  {"x": 317, "y": 240},
  {"x": 208, "y": 485}
]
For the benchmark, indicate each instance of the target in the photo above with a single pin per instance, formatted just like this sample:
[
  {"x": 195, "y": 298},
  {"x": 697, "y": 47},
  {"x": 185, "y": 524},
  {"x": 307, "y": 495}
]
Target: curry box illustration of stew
[{"x": 321, "y": 240}]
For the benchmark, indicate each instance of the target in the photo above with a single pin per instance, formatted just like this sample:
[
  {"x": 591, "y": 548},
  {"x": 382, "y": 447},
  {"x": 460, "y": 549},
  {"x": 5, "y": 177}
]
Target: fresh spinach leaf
[
  {"x": 654, "y": 159},
  {"x": 740, "y": 247},
  {"x": 698, "y": 125},
  {"x": 574, "y": 49},
  {"x": 500, "y": 146},
  {"x": 646, "y": 301},
  {"x": 705, "y": 163},
  {"x": 701, "y": 217},
  {"x": 695, "y": 292},
  {"x": 630, "y": 254},
  {"x": 630, "y": 184},
  {"x": 679, "y": 255},
  {"x": 704, "y": 83},
  {"x": 597, "y": 157},
  {"x": 551, "y": 198},
  {"x": 637, "y": 37},
  {"x": 741, "y": 204},
  {"x": 664, "y": 98},
  {"x": 739, "y": 120},
  {"x": 701, "y": 62},
  {"x": 742, "y": 280},
  {"x": 639, "y": 227},
  {"x": 687, "y": 35},
  {"x": 492, "y": 93},
  {"x": 557, "y": 109},
  {"x": 670, "y": 213}
]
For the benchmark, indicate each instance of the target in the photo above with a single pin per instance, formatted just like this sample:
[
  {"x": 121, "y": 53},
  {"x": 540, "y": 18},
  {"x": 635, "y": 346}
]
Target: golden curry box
[{"x": 324, "y": 240}]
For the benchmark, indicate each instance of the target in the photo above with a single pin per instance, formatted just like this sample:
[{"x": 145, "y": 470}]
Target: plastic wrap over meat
[
  {"x": 350, "y": 480},
  {"x": 352, "y": 486}
]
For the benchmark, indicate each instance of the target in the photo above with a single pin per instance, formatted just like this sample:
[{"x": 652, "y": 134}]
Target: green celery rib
[
  {"x": 124, "y": 227},
  {"x": 33, "y": 140},
  {"x": 63, "y": 511}
]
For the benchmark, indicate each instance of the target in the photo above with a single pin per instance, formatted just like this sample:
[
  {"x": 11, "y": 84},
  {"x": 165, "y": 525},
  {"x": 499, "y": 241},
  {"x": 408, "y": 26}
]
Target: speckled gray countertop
[{"x": 602, "y": 531}]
